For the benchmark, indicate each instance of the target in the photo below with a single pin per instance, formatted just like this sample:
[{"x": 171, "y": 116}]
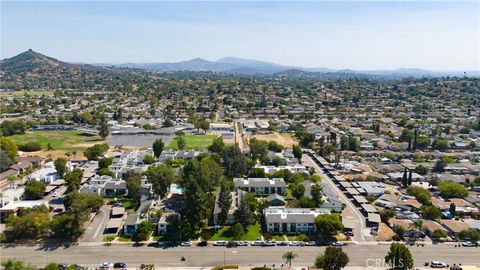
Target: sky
[{"x": 361, "y": 35}]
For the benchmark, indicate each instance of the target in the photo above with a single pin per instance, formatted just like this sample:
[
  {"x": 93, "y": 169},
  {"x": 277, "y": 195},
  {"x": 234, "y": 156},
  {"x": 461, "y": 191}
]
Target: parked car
[
  {"x": 231, "y": 244},
  {"x": 186, "y": 244},
  {"x": 242, "y": 243},
  {"x": 119, "y": 265},
  {"x": 269, "y": 244},
  {"x": 295, "y": 243},
  {"x": 348, "y": 233},
  {"x": 202, "y": 244},
  {"x": 469, "y": 244},
  {"x": 438, "y": 264},
  {"x": 63, "y": 265},
  {"x": 220, "y": 243},
  {"x": 310, "y": 243},
  {"x": 106, "y": 265},
  {"x": 282, "y": 243},
  {"x": 55, "y": 194},
  {"x": 338, "y": 244},
  {"x": 258, "y": 243}
]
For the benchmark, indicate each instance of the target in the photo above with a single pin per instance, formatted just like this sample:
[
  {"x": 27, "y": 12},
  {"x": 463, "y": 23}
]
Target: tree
[
  {"x": 224, "y": 202},
  {"x": 238, "y": 231},
  {"x": 405, "y": 178},
  {"x": 422, "y": 170},
  {"x": 243, "y": 214},
  {"x": 133, "y": 180},
  {"x": 275, "y": 147},
  {"x": 217, "y": 145},
  {"x": 161, "y": 177},
  {"x": 399, "y": 257},
  {"x": 34, "y": 190},
  {"x": 14, "y": 264},
  {"x": 9, "y": 147},
  {"x": 334, "y": 258},
  {"x": 430, "y": 212},
  {"x": 148, "y": 159},
  {"x": 297, "y": 152},
  {"x": 143, "y": 231},
  {"x": 168, "y": 123},
  {"x": 95, "y": 151},
  {"x": 61, "y": 166},
  {"x": 197, "y": 200},
  {"x": 439, "y": 234},
  {"x": 469, "y": 234},
  {"x": 258, "y": 148},
  {"x": 439, "y": 166},
  {"x": 158, "y": 146},
  {"x": 257, "y": 173},
  {"x": 328, "y": 225},
  {"x": 234, "y": 162},
  {"x": 62, "y": 225},
  {"x": 103, "y": 129},
  {"x": 73, "y": 179},
  {"x": 452, "y": 209},
  {"x": 440, "y": 144},
  {"x": 452, "y": 190},
  {"x": 181, "y": 143},
  {"x": 204, "y": 125},
  {"x": 297, "y": 190},
  {"x": 316, "y": 193},
  {"x": 421, "y": 194},
  {"x": 288, "y": 257},
  {"x": 5, "y": 161},
  {"x": 105, "y": 162}
]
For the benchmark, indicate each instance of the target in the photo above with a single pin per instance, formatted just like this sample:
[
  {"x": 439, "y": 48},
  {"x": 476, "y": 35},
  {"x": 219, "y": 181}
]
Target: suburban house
[
  {"x": 130, "y": 225},
  {"x": 13, "y": 207},
  {"x": 105, "y": 185},
  {"x": 302, "y": 220},
  {"x": 292, "y": 168},
  {"x": 275, "y": 200},
  {"x": 47, "y": 174},
  {"x": 261, "y": 185}
]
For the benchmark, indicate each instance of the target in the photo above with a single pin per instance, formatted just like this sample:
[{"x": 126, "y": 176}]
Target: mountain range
[
  {"x": 31, "y": 61},
  {"x": 248, "y": 66}
]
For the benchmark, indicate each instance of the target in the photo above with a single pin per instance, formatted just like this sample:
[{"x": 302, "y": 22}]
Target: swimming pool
[{"x": 176, "y": 189}]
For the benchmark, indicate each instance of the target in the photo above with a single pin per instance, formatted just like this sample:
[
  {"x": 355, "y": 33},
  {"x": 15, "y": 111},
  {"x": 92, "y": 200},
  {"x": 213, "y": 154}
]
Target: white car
[
  {"x": 469, "y": 244},
  {"x": 438, "y": 264},
  {"x": 106, "y": 265},
  {"x": 220, "y": 243},
  {"x": 186, "y": 244},
  {"x": 242, "y": 243},
  {"x": 338, "y": 244},
  {"x": 55, "y": 194},
  {"x": 295, "y": 243}
]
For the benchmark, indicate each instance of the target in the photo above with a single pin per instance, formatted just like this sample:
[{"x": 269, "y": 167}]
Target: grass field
[
  {"x": 196, "y": 142},
  {"x": 252, "y": 233},
  {"x": 59, "y": 139},
  {"x": 29, "y": 93}
]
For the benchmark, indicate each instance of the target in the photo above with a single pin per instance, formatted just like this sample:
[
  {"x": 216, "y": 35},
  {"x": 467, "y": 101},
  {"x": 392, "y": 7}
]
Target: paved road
[
  {"x": 92, "y": 255},
  {"x": 359, "y": 219}
]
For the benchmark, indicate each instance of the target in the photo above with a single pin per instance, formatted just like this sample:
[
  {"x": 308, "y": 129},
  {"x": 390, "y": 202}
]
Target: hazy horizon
[{"x": 438, "y": 36}]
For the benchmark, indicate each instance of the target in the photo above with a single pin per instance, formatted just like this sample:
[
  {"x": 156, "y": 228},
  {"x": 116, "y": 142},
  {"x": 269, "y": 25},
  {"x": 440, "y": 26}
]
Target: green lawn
[
  {"x": 252, "y": 233},
  {"x": 278, "y": 237},
  {"x": 196, "y": 142},
  {"x": 29, "y": 93},
  {"x": 109, "y": 238},
  {"x": 125, "y": 238},
  {"x": 59, "y": 139}
]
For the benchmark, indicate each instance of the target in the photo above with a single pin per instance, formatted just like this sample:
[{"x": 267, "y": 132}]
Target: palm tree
[
  {"x": 417, "y": 225},
  {"x": 288, "y": 257}
]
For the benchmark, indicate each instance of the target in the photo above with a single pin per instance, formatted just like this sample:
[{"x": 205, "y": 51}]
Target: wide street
[{"x": 92, "y": 254}]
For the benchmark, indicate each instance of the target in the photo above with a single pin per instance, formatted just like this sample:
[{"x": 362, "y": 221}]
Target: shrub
[{"x": 30, "y": 147}]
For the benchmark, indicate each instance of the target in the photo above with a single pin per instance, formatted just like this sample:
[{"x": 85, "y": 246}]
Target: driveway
[
  {"x": 350, "y": 212},
  {"x": 94, "y": 231}
]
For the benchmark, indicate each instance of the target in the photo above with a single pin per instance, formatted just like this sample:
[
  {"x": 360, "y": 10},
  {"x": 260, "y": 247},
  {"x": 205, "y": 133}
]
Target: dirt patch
[
  {"x": 54, "y": 154},
  {"x": 284, "y": 139},
  {"x": 385, "y": 233}
]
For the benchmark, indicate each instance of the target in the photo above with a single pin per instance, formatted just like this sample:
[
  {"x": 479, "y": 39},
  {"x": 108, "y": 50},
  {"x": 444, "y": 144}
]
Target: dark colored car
[
  {"x": 119, "y": 265},
  {"x": 202, "y": 244}
]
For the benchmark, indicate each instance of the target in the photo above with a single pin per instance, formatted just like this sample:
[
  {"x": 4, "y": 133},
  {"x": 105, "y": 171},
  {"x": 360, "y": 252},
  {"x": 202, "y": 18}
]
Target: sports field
[
  {"x": 22, "y": 93},
  {"x": 196, "y": 142},
  {"x": 67, "y": 140}
]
